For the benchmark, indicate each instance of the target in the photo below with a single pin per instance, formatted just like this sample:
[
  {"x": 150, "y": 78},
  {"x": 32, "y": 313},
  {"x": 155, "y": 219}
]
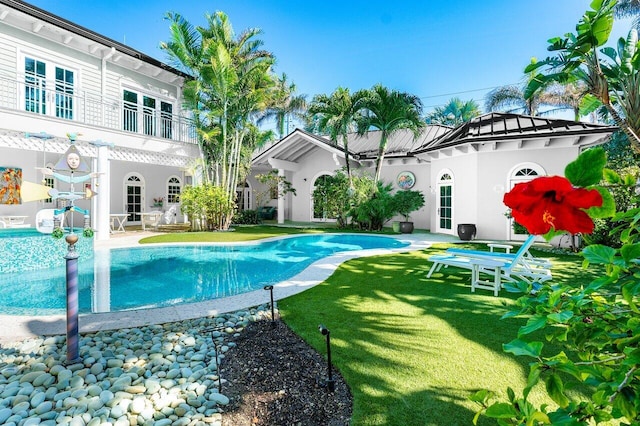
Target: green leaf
[
  {"x": 538, "y": 417},
  {"x": 533, "y": 324},
  {"x": 532, "y": 379},
  {"x": 519, "y": 347},
  {"x": 630, "y": 252},
  {"x": 561, "y": 317},
  {"x": 501, "y": 411},
  {"x": 555, "y": 389},
  {"x": 589, "y": 104},
  {"x": 608, "y": 207},
  {"x": 587, "y": 169},
  {"x": 611, "y": 176},
  {"x": 599, "y": 254},
  {"x": 625, "y": 402}
]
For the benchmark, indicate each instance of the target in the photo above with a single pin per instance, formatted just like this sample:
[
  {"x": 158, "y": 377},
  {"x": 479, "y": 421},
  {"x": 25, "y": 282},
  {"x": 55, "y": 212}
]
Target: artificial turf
[{"x": 414, "y": 349}]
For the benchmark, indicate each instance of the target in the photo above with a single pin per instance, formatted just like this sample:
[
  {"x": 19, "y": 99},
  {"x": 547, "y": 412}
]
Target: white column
[
  {"x": 103, "y": 203},
  {"x": 280, "y": 198}
]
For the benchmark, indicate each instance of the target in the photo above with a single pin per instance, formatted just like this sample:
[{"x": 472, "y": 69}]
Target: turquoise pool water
[
  {"x": 157, "y": 276},
  {"x": 26, "y": 249}
]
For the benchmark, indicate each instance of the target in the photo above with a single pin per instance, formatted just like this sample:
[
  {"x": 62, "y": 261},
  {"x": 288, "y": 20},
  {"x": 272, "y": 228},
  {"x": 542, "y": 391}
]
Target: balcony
[{"x": 53, "y": 100}]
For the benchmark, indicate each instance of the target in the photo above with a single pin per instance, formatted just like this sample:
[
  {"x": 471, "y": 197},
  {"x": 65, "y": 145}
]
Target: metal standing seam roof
[{"x": 497, "y": 126}]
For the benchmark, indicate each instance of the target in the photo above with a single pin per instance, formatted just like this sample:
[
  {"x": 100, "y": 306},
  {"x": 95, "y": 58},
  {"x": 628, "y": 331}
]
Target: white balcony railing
[{"x": 56, "y": 101}]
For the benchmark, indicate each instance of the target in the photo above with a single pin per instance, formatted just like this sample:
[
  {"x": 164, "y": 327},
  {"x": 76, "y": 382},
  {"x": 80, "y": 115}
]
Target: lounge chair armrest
[{"x": 507, "y": 247}]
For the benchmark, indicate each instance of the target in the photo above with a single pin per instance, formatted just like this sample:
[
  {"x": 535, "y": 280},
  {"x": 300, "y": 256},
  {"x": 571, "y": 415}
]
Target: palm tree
[
  {"x": 231, "y": 82},
  {"x": 454, "y": 113},
  {"x": 336, "y": 116},
  {"x": 612, "y": 83},
  {"x": 284, "y": 104},
  {"x": 388, "y": 111},
  {"x": 512, "y": 99},
  {"x": 627, "y": 9}
]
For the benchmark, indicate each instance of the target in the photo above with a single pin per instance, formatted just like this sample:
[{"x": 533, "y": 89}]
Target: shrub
[
  {"x": 208, "y": 206},
  {"x": 406, "y": 202},
  {"x": 247, "y": 217}
]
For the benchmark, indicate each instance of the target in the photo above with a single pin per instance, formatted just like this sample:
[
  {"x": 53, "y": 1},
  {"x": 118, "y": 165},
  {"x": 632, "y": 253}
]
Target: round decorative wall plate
[{"x": 406, "y": 180}]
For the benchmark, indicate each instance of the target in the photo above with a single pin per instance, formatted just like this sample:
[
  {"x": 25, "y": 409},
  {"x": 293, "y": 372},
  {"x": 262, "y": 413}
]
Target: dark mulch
[{"x": 275, "y": 378}]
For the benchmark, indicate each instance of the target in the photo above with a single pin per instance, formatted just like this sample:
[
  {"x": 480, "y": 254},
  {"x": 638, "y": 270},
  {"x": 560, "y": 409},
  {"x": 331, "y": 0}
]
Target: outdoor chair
[{"x": 501, "y": 267}]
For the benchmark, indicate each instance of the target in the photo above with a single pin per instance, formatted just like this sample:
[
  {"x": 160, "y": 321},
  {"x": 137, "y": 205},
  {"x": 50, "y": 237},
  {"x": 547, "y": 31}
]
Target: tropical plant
[
  {"x": 595, "y": 327},
  {"x": 628, "y": 9},
  {"x": 512, "y": 98},
  {"x": 406, "y": 202},
  {"x": 388, "y": 111},
  {"x": 336, "y": 195},
  {"x": 231, "y": 82},
  {"x": 454, "y": 113},
  {"x": 376, "y": 210},
  {"x": 336, "y": 116},
  {"x": 283, "y": 105},
  {"x": 610, "y": 76}
]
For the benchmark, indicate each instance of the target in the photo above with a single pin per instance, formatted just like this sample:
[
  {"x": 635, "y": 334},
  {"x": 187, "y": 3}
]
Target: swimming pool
[{"x": 157, "y": 276}]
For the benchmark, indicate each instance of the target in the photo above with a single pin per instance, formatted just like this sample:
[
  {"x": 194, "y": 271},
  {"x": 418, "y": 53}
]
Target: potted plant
[{"x": 405, "y": 203}]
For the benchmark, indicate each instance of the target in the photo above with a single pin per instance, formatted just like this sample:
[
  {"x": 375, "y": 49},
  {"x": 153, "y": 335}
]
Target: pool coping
[{"x": 19, "y": 327}]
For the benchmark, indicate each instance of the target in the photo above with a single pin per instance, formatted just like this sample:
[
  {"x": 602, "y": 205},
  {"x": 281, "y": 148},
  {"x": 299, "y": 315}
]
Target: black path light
[
  {"x": 331, "y": 384},
  {"x": 273, "y": 317},
  {"x": 220, "y": 329}
]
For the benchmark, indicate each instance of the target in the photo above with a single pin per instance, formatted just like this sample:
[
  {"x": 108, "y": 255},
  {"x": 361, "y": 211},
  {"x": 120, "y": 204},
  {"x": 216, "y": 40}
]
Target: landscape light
[
  {"x": 330, "y": 383},
  {"x": 273, "y": 317}
]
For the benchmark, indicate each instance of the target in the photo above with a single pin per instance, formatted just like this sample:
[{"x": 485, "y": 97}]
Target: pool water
[
  {"x": 26, "y": 249},
  {"x": 157, "y": 276}
]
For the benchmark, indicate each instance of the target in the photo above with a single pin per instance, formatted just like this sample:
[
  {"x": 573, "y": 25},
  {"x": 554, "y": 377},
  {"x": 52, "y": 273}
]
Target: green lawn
[{"x": 413, "y": 349}]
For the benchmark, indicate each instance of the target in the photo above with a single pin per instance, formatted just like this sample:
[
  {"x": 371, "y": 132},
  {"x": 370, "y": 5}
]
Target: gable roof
[
  {"x": 497, "y": 126},
  {"x": 300, "y": 143}
]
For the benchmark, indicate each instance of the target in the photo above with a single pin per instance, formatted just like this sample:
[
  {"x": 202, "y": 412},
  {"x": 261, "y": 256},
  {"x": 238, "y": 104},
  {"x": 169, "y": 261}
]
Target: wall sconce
[{"x": 330, "y": 383}]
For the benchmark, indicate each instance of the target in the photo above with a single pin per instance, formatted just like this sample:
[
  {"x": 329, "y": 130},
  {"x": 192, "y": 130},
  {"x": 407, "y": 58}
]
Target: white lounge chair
[{"x": 502, "y": 267}]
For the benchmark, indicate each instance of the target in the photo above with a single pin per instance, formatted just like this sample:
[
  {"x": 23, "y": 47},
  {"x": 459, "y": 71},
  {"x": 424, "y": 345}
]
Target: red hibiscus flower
[{"x": 552, "y": 202}]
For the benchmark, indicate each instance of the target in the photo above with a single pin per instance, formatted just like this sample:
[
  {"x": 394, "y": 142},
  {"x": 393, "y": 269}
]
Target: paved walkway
[{"x": 15, "y": 328}]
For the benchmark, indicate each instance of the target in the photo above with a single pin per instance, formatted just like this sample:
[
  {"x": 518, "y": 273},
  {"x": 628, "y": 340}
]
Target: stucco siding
[{"x": 421, "y": 218}]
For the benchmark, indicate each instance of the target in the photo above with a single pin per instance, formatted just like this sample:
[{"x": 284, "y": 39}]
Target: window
[
  {"x": 174, "y": 188},
  {"x": 64, "y": 93},
  {"x": 130, "y": 113},
  {"x": 35, "y": 81},
  {"x": 166, "y": 118},
  {"x": 155, "y": 116},
  {"x": 36, "y": 76}
]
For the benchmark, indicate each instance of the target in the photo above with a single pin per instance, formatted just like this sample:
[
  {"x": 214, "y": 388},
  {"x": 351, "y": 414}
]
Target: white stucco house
[
  {"x": 463, "y": 172},
  {"x": 124, "y": 108}
]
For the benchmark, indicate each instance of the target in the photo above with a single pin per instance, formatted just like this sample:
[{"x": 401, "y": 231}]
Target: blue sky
[{"x": 435, "y": 50}]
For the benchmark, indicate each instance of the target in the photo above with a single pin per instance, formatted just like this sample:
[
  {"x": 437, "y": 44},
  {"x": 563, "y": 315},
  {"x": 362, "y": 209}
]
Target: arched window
[{"x": 174, "y": 189}]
